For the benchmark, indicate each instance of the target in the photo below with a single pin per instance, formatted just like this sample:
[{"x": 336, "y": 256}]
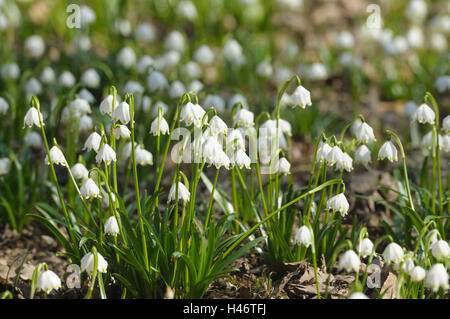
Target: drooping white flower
[
  {"x": 446, "y": 124},
  {"x": 365, "y": 247},
  {"x": 10, "y": 71},
  {"x": 407, "y": 265},
  {"x": 284, "y": 127},
  {"x": 47, "y": 75},
  {"x": 232, "y": 51},
  {"x": 204, "y": 55},
  {"x": 445, "y": 143},
  {"x": 106, "y": 106},
  {"x": 33, "y": 139},
  {"x": 5, "y": 165},
  {"x": 122, "y": 131},
  {"x": 335, "y": 155},
  {"x": 79, "y": 171},
  {"x": 301, "y": 97},
  {"x": 393, "y": 253},
  {"x": 317, "y": 71},
  {"x": 437, "y": 277},
  {"x": 442, "y": 83},
  {"x": 175, "y": 41},
  {"x": 66, "y": 79},
  {"x": 34, "y": 46},
  {"x": 126, "y": 57},
  {"x": 32, "y": 117},
  {"x": 244, "y": 118},
  {"x": 87, "y": 263},
  {"x": 235, "y": 99},
  {"x": 47, "y": 281},
  {"x": 284, "y": 166},
  {"x": 362, "y": 155},
  {"x": 222, "y": 160},
  {"x": 57, "y": 156},
  {"x": 87, "y": 15},
  {"x": 4, "y": 106},
  {"x": 217, "y": 125},
  {"x": 159, "y": 126},
  {"x": 145, "y": 33},
  {"x": 183, "y": 192},
  {"x": 432, "y": 237},
  {"x": 86, "y": 95},
  {"x": 106, "y": 154},
  {"x": 346, "y": 163},
  {"x": 156, "y": 81},
  {"x": 322, "y": 151},
  {"x": 214, "y": 100},
  {"x": 144, "y": 63},
  {"x": 106, "y": 199},
  {"x": 111, "y": 226},
  {"x": 364, "y": 133},
  {"x": 410, "y": 109},
  {"x": 345, "y": 40},
  {"x": 85, "y": 124},
  {"x": 190, "y": 70},
  {"x": 241, "y": 159},
  {"x": 80, "y": 106},
  {"x": 93, "y": 142},
  {"x": 427, "y": 141},
  {"x": 388, "y": 150},
  {"x": 192, "y": 114},
  {"x": 440, "y": 249},
  {"x": 90, "y": 78},
  {"x": 349, "y": 261},
  {"x": 143, "y": 157},
  {"x": 424, "y": 114},
  {"x": 235, "y": 140},
  {"x": 416, "y": 10},
  {"x": 211, "y": 149},
  {"x": 33, "y": 86},
  {"x": 417, "y": 274},
  {"x": 177, "y": 89},
  {"x": 303, "y": 236},
  {"x": 357, "y": 295},
  {"x": 187, "y": 10},
  {"x": 338, "y": 203},
  {"x": 122, "y": 113},
  {"x": 90, "y": 189},
  {"x": 264, "y": 69}
]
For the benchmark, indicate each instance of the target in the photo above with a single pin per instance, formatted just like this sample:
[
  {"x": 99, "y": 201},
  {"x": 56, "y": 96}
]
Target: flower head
[
  {"x": 322, "y": 151},
  {"x": 106, "y": 106},
  {"x": 241, "y": 159},
  {"x": 183, "y": 192},
  {"x": 159, "y": 126},
  {"x": 437, "y": 277},
  {"x": 424, "y": 114},
  {"x": 47, "y": 281},
  {"x": 301, "y": 97},
  {"x": 143, "y": 157},
  {"x": 388, "y": 150},
  {"x": 89, "y": 189},
  {"x": 122, "y": 132},
  {"x": 364, "y": 133},
  {"x": 93, "y": 142},
  {"x": 106, "y": 154},
  {"x": 87, "y": 263},
  {"x": 349, "y": 261},
  {"x": 303, "y": 236},
  {"x": 365, "y": 247},
  {"x": 244, "y": 118},
  {"x": 440, "y": 249},
  {"x": 417, "y": 274},
  {"x": 362, "y": 155},
  {"x": 79, "y": 171},
  {"x": 5, "y": 165},
  {"x": 339, "y": 204},
  {"x": 393, "y": 253},
  {"x": 335, "y": 155},
  {"x": 122, "y": 113},
  {"x": 57, "y": 156},
  {"x": 32, "y": 117},
  {"x": 111, "y": 226}
]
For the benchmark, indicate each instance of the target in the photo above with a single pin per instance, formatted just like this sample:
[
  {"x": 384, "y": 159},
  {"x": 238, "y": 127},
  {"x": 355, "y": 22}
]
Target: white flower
[
  {"x": 437, "y": 277},
  {"x": 440, "y": 249},
  {"x": 243, "y": 117},
  {"x": 283, "y": 166},
  {"x": 301, "y": 97},
  {"x": 111, "y": 227},
  {"x": 264, "y": 69},
  {"x": 32, "y": 117},
  {"x": 322, "y": 151},
  {"x": 4, "y": 106},
  {"x": 187, "y": 9},
  {"x": 317, "y": 71},
  {"x": 10, "y": 71},
  {"x": 241, "y": 159},
  {"x": 417, "y": 274},
  {"x": 47, "y": 281},
  {"x": 126, "y": 57},
  {"x": 364, "y": 133},
  {"x": 446, "y": 124},
  {"x": 192, "y": 113},
  {"x": 365, "y": 247},
  {"x": 222, "y": 160},
  {"x": 190, "y": 70},
  {"x": 159, "y": 126},
  {"x": 195, "y": 86},
  {"x": 93, "y": 142},
  {"x": 86, "y": 123},
  {"x": 424, "y": 114},
  {"x": 414, "y": 36},
  {"x": 362, "y": 155},
  {"x": 339, "y": 204},
  {"x": 57, "y": 156},
  {"x": 303, "y": 236},
  {"x": 217, "y": 125},
  {"x": 174, "y": 41},
  {"x": 204, "y": 55},
  {"x": 235, "y": 140},
  {"x": 388, "y": 150},
  {"x": 427, "y": 141},
  {"x": 345, "y": 40},
  {"x": 445, "y": 143},
  {"x": 145, "y": 33},
  {"x": 33, "y": 86},
  {"x": 67, "y": 79},
  {"x": 47, "y": 75},
  {"x": 79, "y": 171},
  {"x": 123, "y": 26},
  {"x": 416, "y": 11},
  {"x": 335, "y": 155},
  {"x": 90, "y": 189},
  {"x": 106, "y": 106},
  {"x": 86, "y": 95},
  {"x": 122, "y": 113},
  {"x": 347, "y": 163},
  {"x": 87, "y": 263},
  {"x": 80, "y": 106},
  {"x": 33, "y": 139},
  {"x": 106, "y": 154},
  {"x": 143, "y": 157},
  {"x": 90, "y": 78},
  {"x": 156, "y": 81},
  {"x": 283, "y": 126},
  {"x": 87, "y": 16},
  {"x": 5, "y": 166},
  {"x": 232, "y": 51},
  {"x": 144, "y": 63},
  {"x": 442, "y": 84},
  {"x": 177, "y": 89},
  {"x": 34, "y": 46},
  {"x": 122, "y": 132},
  {"x": 410, "y": 109},
  {"x": 432, "y": 237},
  {"x": 106, "y": 199},
  {"x": 235, "y": 99},
  {"x": 134, "y": 87},
  {"x": 183, "y": 192},
  {"x": 349, "y": 261},
  {"x": 357, "y": 295},
  {"x": 407, "y": 265},
  {"x": 393, "y": 253},
  {"x": 211, "y": 149}
]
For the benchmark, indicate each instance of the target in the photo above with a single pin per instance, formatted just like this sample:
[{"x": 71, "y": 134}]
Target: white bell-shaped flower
[
  {"x": 106, "y": 154},
  {"x": 204, "y": 55},
  {"x": 437, "y": 277},
  {"x": 192, "y": 114},
  {"x": 339, "y": 204},
  {"x": 417, "y": 274},
  {"x": 90, "y": 78},
  {"x": 303, "y": 236},
  {"x": 424, "y": 114},
  {"x": 217, "y": 125},
  {"x": 32, "y": 117},
  {"x": 33, "y": 139},
  {"x": 322, "y": 152},
  {"x": 446, "y": 124},
  {"x": 388, "y": 150},
  {"x": 235, "y": 140},
  {"x": 445, "y": 143},
  {"x": 349, "y": 261},
  {"x": 79, "y": 171},
  {"x": 93, "y": 142},
  {"x": 87, "y": 263},
  {"x": 357, "y": 295},
  {"x": 364, "y": 133},
  {"x": 244, "y": 118},
  {"x": 427, "y": 141},
  {"x": 122, "y": 113},
  {"x": 362, "y": 155},
  {"x": 4, "y": 106},
  {"x": 440, "y": 249},
  {"x": 241, "y": 159},
  {"x": 283, "y": 166},
  {"x": 346, "y": 163},
  {"x": 122, "y": 132},
  {"x": 159, "y": 126},
  {"x": 143, "y": 157},
  {"x": 57, "y": 156},
  {"x": 89, "y": 189},
  {"x": 47, "y": 281},
  {"x": 85, "y": 124},
  {"x": 335, "y": 155},
  {"x": 79, "y": 107},
  {"x": 5, "y": 166},
  {"x": 222, "y": 160},
  {"x": 393, "y": 253},
  {"x": 183, "y": 192},
  {"x": 111, "y": 226},
  {"x": 301, "y": 97},
  {"x": 365, "y": 247},
  {"x": 106, "y": 106}
]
